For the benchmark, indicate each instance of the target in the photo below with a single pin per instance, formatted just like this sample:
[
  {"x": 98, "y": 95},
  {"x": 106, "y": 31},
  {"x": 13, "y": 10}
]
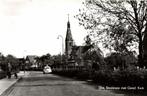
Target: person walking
[
  {"x": 9, "y": 69},
  {"x": 15, "y": 70}
]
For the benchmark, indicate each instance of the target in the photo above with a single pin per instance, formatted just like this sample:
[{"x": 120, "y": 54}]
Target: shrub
[
  {"x": 83, "y": 75},
  {"x": 102, "y": 77},
  {"x": 145, "y": 80},
  {"x": 2, "y": 74},
  {"x": 121, "y": 78}
]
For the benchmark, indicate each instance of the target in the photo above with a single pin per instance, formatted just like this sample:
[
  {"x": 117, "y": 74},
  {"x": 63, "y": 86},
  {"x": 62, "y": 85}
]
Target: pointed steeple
[
  {"x": 68, "y": 33},
  {"x": 68, "y": 41},
  {"x": 68, "y": 23}
]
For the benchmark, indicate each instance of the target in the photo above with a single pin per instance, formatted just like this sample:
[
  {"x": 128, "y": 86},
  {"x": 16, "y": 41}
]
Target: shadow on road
[{"x": 37, "y": 85}]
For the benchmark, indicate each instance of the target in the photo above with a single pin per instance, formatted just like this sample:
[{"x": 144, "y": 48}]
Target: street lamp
[{"x": 60, "y": 36}]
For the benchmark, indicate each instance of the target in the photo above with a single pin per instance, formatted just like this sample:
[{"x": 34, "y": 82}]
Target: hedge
[
  {"x": 2, "y": 74},
  {"x": 119, "y": 78}
]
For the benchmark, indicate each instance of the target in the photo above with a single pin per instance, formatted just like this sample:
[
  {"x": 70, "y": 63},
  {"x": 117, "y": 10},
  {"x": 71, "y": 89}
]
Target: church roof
[{"x": 82, "y": 48}]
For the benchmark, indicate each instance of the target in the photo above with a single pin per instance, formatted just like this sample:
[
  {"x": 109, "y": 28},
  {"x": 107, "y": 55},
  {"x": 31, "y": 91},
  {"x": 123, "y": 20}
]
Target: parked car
[{"x": 47, "y": 69}]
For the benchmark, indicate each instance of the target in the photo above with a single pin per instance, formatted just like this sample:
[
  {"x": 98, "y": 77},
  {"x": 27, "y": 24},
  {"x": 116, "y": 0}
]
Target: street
[{"x": 39, "y": 84}]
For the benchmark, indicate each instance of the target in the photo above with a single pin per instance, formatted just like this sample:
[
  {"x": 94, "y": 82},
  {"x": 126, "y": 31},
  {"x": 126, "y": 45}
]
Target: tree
[
  {"x": 12, "y": 59},
  {"x": 118, "y": 24},
  {"x": 88, "y": 41},
  {"x": 2, "y": 62},
  {"x": 120, "y": 60},
  {"x": 57, "y": 59},
  {"x": 44, "y": 59},
  {"x": 92, "y": 52}
]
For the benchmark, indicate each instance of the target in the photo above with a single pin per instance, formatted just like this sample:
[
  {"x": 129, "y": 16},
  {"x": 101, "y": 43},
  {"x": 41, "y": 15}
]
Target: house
[{"x": 31, "y": 61}]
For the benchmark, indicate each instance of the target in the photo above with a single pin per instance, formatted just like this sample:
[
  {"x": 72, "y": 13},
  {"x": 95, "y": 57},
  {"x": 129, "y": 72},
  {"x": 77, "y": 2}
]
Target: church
[{"x": 73, "y": 53}]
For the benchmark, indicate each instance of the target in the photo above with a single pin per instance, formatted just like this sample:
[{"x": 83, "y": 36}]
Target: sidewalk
[{"x": 6, "y": 83}]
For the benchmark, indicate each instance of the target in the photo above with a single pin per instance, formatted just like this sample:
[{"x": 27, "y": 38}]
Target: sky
[{"x": 31, "y": 27}]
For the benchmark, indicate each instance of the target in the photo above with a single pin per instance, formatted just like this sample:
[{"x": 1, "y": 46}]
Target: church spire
[
  {"x": 68, "y": 41},
  {"x": 68, "y": 33},
  {"x": 68, "y": 23}
]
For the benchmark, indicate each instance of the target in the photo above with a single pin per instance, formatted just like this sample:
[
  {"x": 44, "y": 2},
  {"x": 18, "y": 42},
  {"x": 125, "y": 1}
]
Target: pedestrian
[
  {"x": 9, "y": 69},
  {"x": 15, "y": 72}
]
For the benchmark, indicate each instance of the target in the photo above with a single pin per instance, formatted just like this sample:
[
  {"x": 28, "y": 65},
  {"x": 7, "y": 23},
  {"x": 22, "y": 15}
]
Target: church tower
[{"x": 68, "y": 41}]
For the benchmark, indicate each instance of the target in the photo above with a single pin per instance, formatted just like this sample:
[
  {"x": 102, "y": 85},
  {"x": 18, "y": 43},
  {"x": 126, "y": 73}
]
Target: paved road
[{"x": 38, "y": 84}]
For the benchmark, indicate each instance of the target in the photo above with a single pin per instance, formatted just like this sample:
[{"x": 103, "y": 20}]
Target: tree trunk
[
  {"x": 145, "y": 47},
  {"x": 140, "y": 56}
]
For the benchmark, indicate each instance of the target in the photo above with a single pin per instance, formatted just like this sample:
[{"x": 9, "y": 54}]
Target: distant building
[{"x": 31, "y": 61}]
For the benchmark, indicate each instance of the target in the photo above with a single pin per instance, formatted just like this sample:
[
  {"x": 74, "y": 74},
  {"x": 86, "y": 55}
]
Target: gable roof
[
  {"x": 31, "y": 58},
  {"x": 82, "y": 49}
]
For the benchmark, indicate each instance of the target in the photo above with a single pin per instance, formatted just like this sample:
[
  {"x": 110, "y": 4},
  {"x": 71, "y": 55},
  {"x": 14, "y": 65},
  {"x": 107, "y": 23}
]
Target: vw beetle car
[{"x": 47, "y": 69}]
